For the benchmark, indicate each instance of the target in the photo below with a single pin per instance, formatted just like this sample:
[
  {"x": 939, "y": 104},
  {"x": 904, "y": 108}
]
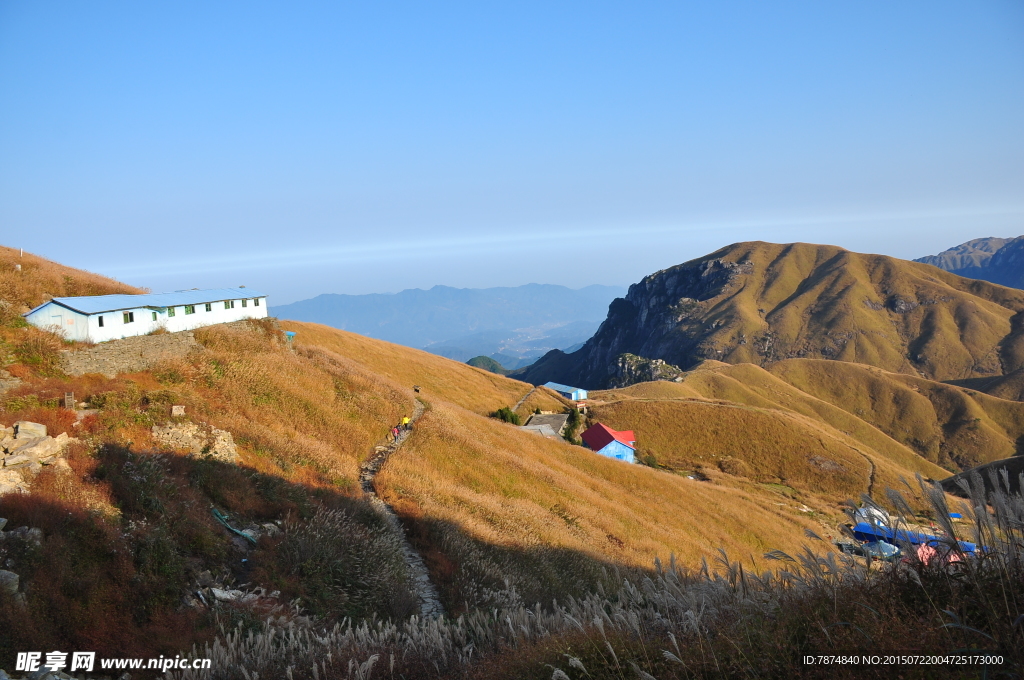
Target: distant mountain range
[
  {"x": 514, "y": 326},
  {"x": 997, "y": 260},
  {"x": 762, "y": 302}
]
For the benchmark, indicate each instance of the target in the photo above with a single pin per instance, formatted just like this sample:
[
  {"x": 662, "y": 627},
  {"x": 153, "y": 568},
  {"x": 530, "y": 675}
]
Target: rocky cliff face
[{"x": 761, "y": 302}]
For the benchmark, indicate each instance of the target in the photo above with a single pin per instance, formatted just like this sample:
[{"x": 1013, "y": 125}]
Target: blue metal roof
[
  {"x": 94, "y": 304},
  {"x": 558, "y": 387}
]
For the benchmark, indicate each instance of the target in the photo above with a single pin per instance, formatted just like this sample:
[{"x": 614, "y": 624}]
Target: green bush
[{"x": 505, "y": 414}]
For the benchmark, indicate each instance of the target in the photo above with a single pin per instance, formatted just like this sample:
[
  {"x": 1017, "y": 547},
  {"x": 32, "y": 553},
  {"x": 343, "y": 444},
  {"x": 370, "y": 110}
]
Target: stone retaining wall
[{"x": 129, "y": 354}]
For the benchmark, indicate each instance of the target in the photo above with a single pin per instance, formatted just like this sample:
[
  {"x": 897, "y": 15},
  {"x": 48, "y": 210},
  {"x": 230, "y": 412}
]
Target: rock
[
  {"x": 47, "y": 447},
  {"x": 15, "y": 461},
  {"x": 25, "y": 429},
  {"x": 3, "y": 523},
  {"x": 177, "y": 410},
  {"x": 271, "y": 529},
  {"x": 226, "y": 595},
  {"x": 9, "y": 582},
  {"x": 8, "y": 442},
  {"x": 35, "y": 534},
  {"x": 200, "y": 441},
  {"x": 205, "y": 578}
]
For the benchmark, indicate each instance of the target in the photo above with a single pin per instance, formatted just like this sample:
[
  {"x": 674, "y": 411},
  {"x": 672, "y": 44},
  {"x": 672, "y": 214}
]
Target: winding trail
[
  {"x": 523, "y": 400},
  {"x": 430, "y": 600}
]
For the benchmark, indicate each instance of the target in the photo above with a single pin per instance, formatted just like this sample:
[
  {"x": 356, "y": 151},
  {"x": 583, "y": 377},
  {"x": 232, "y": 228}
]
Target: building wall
[
  {"x": 618, "y": 451},
  {"x": 78, "y": 326}
]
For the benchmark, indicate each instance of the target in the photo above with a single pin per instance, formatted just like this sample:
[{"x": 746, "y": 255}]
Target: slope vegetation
[{"x": 761, "y": 302}]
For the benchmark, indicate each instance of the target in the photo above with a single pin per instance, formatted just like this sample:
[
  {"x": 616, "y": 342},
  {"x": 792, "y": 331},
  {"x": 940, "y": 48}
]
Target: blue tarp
[{"x": 868, "y": 532}]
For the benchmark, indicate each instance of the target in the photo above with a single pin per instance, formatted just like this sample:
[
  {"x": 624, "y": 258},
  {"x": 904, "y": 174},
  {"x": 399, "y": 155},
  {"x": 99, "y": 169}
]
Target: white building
[{"x": 96, "y": 318}]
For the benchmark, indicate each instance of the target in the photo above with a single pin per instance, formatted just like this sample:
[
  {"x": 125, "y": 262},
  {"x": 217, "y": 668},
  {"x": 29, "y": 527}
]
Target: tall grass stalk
[{"x": 712, "y": 621}]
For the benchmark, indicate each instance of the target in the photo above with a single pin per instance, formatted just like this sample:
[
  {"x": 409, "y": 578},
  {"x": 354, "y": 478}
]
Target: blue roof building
[
  {"x": 97, "y": 318},
  {"x": 573, "y": 393}
]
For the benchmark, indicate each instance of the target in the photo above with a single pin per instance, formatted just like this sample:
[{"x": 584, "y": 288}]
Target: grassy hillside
[
  {"x": 475, "y": 389},
  {"x": 493, "y": 505},
  {"x": 1003, "y": 386},
  {"x": 762, "y": 302},
  {"x": 944, "y": 423}
]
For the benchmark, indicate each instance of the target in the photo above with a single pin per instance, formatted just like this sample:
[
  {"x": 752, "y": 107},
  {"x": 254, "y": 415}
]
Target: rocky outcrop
[
  {"x": 631, "y": 369},
  {"x": 129, "y": 354},
  {"x": 199, "y": 440},
  {"x": 25, "y": 450}
]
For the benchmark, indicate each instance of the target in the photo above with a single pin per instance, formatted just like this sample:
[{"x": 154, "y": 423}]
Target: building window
[
  {"x": 170, "y": 311},
  {"x": 230, "y": 304},
  {"x": 245, "y": 303},
  {"x": 190, "y": 309},
  {"x": 101, "y": 321},
  {"x": 129, "y": 317},
  {"x": 209, "y": 306},
  {"x": 256, "y": 302},
  {"x": 154, "y": 316}
]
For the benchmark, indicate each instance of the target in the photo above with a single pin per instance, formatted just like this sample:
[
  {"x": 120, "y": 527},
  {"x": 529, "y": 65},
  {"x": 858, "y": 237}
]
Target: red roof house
[{"x": 608, "y": 442}]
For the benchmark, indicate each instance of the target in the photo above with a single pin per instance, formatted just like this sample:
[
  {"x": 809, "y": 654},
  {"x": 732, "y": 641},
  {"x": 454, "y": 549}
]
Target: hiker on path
[
  {"x": 395, "y": 432},
  {"x": 405, "y": 423}
]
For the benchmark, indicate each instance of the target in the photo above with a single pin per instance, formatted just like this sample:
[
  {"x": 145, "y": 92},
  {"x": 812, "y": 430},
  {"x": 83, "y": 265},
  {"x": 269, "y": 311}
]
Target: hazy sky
[{"x": 303, "y": 148}]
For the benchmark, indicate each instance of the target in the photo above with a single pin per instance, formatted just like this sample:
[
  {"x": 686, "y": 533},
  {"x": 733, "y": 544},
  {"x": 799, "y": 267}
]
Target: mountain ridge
[
  {"x": 993, "y": 259},
  {"x": 761, "y": 302}
]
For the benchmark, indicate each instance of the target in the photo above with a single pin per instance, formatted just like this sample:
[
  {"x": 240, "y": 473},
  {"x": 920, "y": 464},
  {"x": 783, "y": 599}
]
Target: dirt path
[
  {"x": 523, "y": 400},
  {"x": 430, "y": 601}
]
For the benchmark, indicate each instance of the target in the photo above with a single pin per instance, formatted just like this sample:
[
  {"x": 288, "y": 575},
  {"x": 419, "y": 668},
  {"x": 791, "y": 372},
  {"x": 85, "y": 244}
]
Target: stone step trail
[
  {"x": 523, "y": 400},
  {"x": 425, "y": 590}
]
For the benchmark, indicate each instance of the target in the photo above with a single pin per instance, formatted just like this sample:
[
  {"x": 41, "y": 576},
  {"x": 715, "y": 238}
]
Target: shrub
[{"x": 507, "y": 415}]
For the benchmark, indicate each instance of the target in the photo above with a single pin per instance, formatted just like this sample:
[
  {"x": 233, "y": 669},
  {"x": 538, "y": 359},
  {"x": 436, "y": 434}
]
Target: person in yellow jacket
[{"x": 405, "y": 423}]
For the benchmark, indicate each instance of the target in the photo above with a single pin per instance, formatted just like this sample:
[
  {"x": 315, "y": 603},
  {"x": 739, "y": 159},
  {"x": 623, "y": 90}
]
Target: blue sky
[{"x": 303, "y": 148}]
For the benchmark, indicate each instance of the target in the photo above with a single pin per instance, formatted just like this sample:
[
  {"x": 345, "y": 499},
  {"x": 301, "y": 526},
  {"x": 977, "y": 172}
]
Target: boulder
[
  {"x": 226, "y": 595},
  {"x": 203, "y": 441},
  {"x": 9, "y": 582},
  {"x": 47, "y": 447},
  {"x": 16, "y": 461},
  {"x": 3, "y": 523},
  {"x": 25, "y": 429}
]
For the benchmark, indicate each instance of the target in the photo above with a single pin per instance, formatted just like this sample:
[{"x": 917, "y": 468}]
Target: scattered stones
[
  {"x": 24, "y": 454},
  {"x": 198, "y": 440},
  {"x": 8, "y": 381},
  {"x": 177, "y": 410}
]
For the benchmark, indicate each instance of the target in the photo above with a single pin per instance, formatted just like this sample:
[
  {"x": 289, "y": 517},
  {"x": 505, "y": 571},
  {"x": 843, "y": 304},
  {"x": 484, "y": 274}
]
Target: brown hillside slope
[
  {"x": 472, "y": 388},
  {"x": 745, "y": 421},
  {"x": 40, "y": 279},
  {"x": 944, "y": 423},
  {"x": 762, "y": 302},
  {"x": 494, "y": 503}
]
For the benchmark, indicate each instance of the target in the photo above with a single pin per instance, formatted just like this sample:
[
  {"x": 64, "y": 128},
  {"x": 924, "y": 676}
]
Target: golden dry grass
[
  {"x": 544, "y": 399},
  {"x": 517, "y": 492},
  {"x": 944, "y": 423},
  {"x": 40, "y": 279},
  {"x": 472, "y": 388}
]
